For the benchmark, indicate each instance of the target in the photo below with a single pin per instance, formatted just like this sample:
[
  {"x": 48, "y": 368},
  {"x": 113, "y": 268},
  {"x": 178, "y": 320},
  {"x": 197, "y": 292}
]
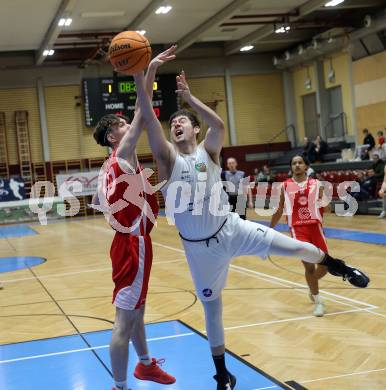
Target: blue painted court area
[
  {"x": 341, "y": 234},
  {"x": 8, "y": 264},
  {"x": 16, "y": 231},
  {"x": 68, "y": 363}
]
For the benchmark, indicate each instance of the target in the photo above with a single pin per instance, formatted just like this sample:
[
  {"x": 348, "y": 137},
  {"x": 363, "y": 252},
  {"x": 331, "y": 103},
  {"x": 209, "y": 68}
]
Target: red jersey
[
  {"x": 302, "y": 202},
  {"x": 130, "y": 198}
]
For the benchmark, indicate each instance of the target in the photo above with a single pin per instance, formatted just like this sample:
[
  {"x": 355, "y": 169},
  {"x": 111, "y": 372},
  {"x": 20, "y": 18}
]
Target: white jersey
[{"x": 194, "y": 196}]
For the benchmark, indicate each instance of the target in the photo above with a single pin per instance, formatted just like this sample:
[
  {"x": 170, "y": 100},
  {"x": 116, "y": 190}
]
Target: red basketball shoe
[{"x": 153, "y": 372}]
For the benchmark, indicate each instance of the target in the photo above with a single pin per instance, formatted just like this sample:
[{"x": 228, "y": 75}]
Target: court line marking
[
  {"x": 82, "y": 271},
  {"x": 369, "y": 307},
  {"x": 269, "y": 278},
  {"x": 293, "y": 319},
  {"x": 277, "y": 280},
  {"x": 283, "y": 281},
  {"x": 342, "y": 376},
  {"x": 88, "y": 349}
]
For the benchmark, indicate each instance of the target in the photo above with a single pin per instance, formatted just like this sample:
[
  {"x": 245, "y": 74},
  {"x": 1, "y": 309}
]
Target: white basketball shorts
[{"x": 209, "y": 264}]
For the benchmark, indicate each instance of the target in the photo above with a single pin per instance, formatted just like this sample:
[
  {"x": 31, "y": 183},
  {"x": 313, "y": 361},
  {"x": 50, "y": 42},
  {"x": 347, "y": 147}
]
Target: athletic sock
[
  {"x": 219, "y": 362},
  {"x": 145, "y": 359},
  {"x": 121, "y": 385},
  {"x": 317, "y": 298}
]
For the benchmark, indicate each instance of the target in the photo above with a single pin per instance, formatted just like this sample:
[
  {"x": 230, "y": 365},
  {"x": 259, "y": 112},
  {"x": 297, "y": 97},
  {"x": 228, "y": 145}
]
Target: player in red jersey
[
  {"x": 301, "y": 198},
  {"x": 129, "y": 201}
]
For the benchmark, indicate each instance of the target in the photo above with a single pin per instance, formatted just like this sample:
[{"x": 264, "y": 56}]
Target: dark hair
[
  {"x": 380, "y": 132},
  {"x": 104, "y": 126},
  {"x": 305, "y": 159},
  {"x": 188, "y": 114},
  {"x": 365, "y": 130}
]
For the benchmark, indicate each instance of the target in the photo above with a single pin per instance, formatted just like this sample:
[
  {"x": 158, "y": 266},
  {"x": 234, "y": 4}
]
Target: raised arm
[
  {"x": 214, "y": 138},
  {"x": 126, "y": 149},
  {"x": 163, "y": 151}
]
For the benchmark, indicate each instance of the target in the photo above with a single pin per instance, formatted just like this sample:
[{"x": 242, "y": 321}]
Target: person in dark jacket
[
  {"x": 321, "y": 148},
  {"x": 309, "y": 151},
  {"x": 362, "y": 151},
  {"x": 378, "y": 167}
]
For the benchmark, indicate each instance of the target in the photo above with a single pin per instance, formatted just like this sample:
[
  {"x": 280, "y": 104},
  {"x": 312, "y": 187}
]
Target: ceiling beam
[
  {"x": 144, "y": 14},
  {"x": 216, "y": 19},
  {"x": 325, "y": 47},
  {"x": 64, "y": 10},
  {"x": 265, "y": 31}
]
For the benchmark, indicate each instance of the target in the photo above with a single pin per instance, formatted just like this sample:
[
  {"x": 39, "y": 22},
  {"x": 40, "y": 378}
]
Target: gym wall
[
  {"x": 257, "y": 94},
  {"x": 300, "y": 75},
  {"x": 369, "y": 76},
  {"x": 21, "y": 99},
  {"x": 341, "y": 63},
  {"x": 68, "y": 137},
  {"x": 259, "y": 108}
]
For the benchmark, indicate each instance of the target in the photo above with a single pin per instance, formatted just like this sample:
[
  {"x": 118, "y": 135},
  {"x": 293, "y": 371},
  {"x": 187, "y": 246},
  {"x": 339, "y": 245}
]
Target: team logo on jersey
[
  {"x": 200, "y": 167},
  {"x": 304, "y": 213},
  {"x": 207, "y": 292},
  {"x": 303, "y": 200}
]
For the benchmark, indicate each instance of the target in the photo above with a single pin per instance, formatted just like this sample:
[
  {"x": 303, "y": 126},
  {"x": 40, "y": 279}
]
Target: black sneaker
[
  {"x": 225, "y": 383},
  {"x": 338, "y": 267}
]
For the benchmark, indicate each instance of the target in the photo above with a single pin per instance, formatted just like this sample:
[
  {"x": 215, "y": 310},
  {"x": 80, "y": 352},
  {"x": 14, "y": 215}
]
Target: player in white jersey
[{"x": 198, "y": 205}]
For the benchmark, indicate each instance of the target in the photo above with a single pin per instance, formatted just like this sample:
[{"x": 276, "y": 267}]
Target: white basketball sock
[
  {"x": 317, "y": 298},
  {"x": 145, "y": 359},
  {"x": 121, "y": 385}
]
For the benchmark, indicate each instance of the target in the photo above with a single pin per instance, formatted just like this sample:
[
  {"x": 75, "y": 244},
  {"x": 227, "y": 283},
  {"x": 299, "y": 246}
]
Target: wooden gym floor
[{"x": 267, "y": 314}]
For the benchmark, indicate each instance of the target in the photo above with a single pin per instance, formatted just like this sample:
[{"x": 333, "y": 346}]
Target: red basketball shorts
[
  {"x": 131, "y": 258},
  {"x": 312, "y": 233}
]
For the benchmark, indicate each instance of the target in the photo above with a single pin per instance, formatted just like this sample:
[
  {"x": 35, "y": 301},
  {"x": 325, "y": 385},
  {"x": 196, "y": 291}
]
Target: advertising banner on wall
[
  {"x": 12, "y": 189},
  {"x": 88, "y": 181}
]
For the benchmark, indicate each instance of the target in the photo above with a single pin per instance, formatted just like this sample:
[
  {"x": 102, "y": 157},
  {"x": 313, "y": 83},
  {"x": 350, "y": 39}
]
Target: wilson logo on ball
[{"x": 120, "y": 47}]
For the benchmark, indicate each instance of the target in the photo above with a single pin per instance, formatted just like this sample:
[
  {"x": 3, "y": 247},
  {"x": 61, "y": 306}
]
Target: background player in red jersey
[
  {"x": 301, "y": 198},
  {"x": 132, "y": 208}
]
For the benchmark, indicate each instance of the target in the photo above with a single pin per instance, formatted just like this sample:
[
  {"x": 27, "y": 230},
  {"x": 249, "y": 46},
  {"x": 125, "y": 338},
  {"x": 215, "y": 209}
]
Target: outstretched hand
[
  {"x": 182, "y": 86},
  {"x": 163, "y": 57}
]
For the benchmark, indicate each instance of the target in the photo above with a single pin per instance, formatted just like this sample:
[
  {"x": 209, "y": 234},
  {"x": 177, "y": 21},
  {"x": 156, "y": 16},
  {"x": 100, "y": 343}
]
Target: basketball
[{"x": 129, "y": 52}]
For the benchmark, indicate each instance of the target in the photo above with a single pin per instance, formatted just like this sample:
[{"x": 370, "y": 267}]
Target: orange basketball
[{"x": 129, "y": 52}]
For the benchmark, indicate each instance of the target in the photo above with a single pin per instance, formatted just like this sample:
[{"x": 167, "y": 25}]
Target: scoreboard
[{"x": 117, "y": 95}]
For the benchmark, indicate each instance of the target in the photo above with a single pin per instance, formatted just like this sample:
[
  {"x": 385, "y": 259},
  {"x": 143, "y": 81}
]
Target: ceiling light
[
  {"x": 163, "y": 10},
  {"x": 247, "y": 48},
  {"x": 287, "y": 55},
  {"x": 300, "y": 50},
  {"x": 48, "y": 52},
  {"x": 282, "y": 29},
  {"x": 142, "y": 32},
  {"x": 64, "y": 22},
  {"x": 275, "y": 60},
  {"x": 333, "y": 3}
]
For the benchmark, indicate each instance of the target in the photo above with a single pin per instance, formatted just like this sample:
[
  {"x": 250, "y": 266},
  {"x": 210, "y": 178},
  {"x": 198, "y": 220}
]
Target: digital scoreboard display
[{"x": 117, "y": 95}]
